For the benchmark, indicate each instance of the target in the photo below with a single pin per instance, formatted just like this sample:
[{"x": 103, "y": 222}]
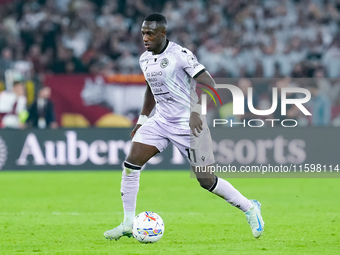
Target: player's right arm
[
  {"x": 195, "y": 121},
  {"x": 148, "y": 105}
]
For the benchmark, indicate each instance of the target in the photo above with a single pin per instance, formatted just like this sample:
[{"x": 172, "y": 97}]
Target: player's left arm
[
  {"x": 195, "y": 121},
  {"x": 205, "y": 78}
]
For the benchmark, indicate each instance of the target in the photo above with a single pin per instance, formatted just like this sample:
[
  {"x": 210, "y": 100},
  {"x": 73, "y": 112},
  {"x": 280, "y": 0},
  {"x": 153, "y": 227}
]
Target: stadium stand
[{"x": 236, "y": 38}]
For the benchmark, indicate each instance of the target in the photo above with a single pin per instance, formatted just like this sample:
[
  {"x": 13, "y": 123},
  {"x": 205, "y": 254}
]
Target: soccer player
[
  {"x": 13, "y": 106},
  {"x": 171, "y": 72}
]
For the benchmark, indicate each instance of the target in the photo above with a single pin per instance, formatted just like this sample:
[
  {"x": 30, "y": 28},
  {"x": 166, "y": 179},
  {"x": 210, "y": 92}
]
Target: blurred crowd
[
  {"x": 14, "y": 113},
  {"x": 235, "y": 38},
  {"x": 324, "y": 103}
]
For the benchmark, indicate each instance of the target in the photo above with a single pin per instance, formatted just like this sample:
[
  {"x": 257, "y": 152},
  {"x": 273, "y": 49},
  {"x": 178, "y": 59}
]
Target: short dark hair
[
  {"x": 159, "y": 18},
  {"x": 16, "y": 83}
]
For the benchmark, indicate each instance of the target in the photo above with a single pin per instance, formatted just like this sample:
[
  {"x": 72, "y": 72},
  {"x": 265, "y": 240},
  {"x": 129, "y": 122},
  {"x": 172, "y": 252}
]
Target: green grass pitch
[{"x": 67, "y": 213}]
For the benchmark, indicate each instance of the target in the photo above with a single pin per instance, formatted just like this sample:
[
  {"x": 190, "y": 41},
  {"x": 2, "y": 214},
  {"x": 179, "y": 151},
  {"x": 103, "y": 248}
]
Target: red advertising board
[{"x": 92, "y": 97}]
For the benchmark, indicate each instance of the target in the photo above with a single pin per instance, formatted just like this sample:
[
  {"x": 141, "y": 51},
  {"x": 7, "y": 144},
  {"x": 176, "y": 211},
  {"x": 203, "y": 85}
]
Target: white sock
[
  {"x": 129, "y": 216},
  {"x": 225, "y": 190},
  {"x": 129, "y": 190}
]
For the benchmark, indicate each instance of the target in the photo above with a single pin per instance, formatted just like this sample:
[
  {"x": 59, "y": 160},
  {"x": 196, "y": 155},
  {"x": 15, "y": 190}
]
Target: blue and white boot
[
  {"x": 254, "y": 218},
  {"x": 118, "y": 232}
]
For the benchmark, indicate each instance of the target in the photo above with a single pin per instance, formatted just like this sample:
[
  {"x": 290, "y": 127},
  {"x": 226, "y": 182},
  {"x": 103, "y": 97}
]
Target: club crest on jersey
[
  {"x": 164, "y": 63},
  {"x": 192, "y": 61}
]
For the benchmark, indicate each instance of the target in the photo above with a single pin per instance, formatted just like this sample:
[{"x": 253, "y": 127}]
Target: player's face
[
  {"x": 19, "y": 89},
  {"x": 153, "y": 35}
]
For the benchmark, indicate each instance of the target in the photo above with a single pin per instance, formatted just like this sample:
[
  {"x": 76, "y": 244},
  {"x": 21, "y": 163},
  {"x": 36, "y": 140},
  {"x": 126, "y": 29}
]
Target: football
[{"x": 148, "y": 227}]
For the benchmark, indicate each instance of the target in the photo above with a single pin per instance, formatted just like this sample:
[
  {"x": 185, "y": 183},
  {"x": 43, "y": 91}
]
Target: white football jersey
[{"x": 170, "y": 77}]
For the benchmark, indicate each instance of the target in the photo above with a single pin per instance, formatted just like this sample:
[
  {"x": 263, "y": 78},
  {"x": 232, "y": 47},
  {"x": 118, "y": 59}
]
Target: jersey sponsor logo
[
  {"x": 152, "y": 79},
  {"x": 3, "y": 153},
  {"x": 155, "y": 84},
  {"x": 154, "y": 74},
  {"x": 157, "y": 90},
  {"x": 164, "y": 63}
]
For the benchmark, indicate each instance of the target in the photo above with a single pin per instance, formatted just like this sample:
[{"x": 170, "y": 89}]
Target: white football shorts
[{"x": 198, "y": 150}]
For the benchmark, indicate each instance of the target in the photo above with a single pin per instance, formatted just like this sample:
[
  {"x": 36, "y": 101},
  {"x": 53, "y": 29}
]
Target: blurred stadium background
[
  {"x": 81, "y": 89},
  {"x": 85, "y": 52}
]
